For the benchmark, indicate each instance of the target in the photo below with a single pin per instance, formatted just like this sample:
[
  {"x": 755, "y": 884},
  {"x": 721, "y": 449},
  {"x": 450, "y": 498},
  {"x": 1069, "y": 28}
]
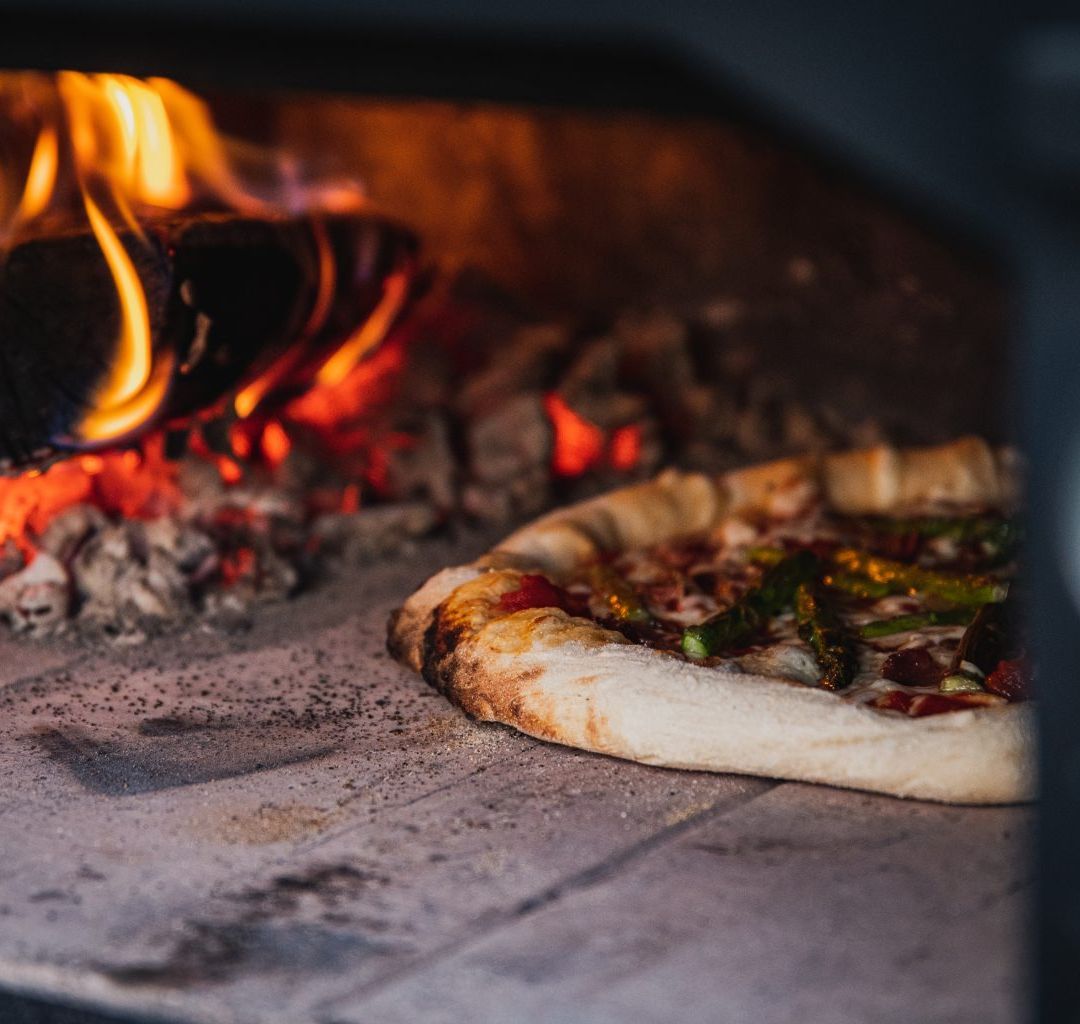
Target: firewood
[{"x": 226, "y": 295}]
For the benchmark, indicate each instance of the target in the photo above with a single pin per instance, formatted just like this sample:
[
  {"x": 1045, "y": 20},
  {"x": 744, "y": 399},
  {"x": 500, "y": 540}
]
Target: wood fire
[{"x": 245, "y": 388}]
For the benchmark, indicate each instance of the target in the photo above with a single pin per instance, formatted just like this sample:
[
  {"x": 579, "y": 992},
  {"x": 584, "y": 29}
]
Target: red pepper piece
[
  {"x": 538, "y": 591},
  {"x": 1011, "y": 679},
  {"x": 894, "y": 700},
  {"x": 924, "y": 704},
  {"x": 913, "y": 666},
  {"x": 921, "y": 705}
]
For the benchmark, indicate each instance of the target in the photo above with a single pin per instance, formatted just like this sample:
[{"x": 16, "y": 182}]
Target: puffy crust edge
[{"x": 570, "y": 681}]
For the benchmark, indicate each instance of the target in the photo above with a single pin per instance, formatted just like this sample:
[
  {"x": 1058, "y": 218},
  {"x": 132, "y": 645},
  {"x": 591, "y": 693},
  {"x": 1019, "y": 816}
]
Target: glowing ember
[
  {"x": 275, "y": 444},
  {"x": 350, "y": 499},
  {"x": 230, "y": 471},
  {"x": 127, "y": 484},
  {"x": 624, "y": 450},
  {"x": 366, "y": 386},
  {"x": 579, "y": 444}
]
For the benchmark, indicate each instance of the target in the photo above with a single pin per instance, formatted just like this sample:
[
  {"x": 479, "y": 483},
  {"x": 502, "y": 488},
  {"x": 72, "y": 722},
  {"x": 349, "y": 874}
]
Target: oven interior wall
[{"x": 822, "y": 283}]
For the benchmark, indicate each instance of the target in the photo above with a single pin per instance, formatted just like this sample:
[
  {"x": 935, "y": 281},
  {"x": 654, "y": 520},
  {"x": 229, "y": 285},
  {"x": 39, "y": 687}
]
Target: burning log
[{"x": 230, "y": 302}]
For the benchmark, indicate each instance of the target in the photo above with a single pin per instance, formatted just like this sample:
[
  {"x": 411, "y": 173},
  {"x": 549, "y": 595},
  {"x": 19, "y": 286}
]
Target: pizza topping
[
  {"x": 785, "y": 659},
  {"x": 894, "y": 700},
  {"x": 829, "y": 639},
  {"x": 900, "y": 577},
  {"x": 762, "y": 554},
  {"x": 984, "y": 528},
  {"x": 536, "y": 591},
  {"x": 920, "y": 620},
  {"x": 735, "y": 532},
  {"x": 752, "y": 611},
  {"x": 858, "y": 586},
  {"x": 989, "y": 539},
  {"x": 668, "y": 594},
  {"x": 961, "y": 682},
  {"x": 1011, "y": 679},
  {"x": 913, "y": 666},
  {"x": 617, "y": 596},
  {"x": 852, "y": 605},
  {"x": 920, "y": 705},
  {"x": 986, "y": 641}
]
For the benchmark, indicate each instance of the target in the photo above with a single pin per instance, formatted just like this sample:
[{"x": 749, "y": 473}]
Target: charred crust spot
[
  {"x": 429, "y": 653},
  {"x": 393, "y": 639},
  {"x": 440, "y": 642},
  {"x": 516, "y": 708},
  {"x": 495, "y": 697},
  {"x": 481, "y": 686}
]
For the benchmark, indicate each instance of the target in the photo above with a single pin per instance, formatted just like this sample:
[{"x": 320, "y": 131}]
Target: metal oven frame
[{"x": 966, "y": 114}]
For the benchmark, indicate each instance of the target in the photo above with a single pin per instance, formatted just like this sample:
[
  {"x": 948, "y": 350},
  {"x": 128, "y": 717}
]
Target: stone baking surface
[{"x": 283, "y": 826}]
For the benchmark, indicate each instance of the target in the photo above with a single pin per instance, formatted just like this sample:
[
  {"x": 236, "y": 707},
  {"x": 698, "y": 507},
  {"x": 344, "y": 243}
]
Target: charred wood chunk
[
  {"x": 59, "y": 320},
  {"x": 227, "y": 296}
]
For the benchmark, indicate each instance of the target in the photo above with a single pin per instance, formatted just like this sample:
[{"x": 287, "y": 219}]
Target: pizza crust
[{"x": 570, "y": 681}]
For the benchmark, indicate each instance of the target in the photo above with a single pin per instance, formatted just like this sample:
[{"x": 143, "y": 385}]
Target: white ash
[
  {"x": 427, "y": 468},
  {"x": 128, "y": 575},
  {"x": 510, "y": 440},
  {"x": 34, "y": 600},
  {"x": 377, "y": 532},
  {"x": 66, "y": 533}
]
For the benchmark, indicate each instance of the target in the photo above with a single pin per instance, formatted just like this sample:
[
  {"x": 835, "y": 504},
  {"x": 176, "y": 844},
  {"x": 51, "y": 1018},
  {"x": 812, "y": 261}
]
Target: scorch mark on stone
[{"x": 118, "y": 767}]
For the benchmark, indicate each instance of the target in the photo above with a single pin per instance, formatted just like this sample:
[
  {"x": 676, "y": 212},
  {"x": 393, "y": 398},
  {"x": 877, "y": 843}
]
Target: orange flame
[
  {"x": 115, "y": 152},
  {"x": 132, "y": 368},
  {"x": 118, "y": 151},
  {"x": 145, "y": 141},
  {"x": 121, "y": 136},
  {"x": 248, "y": 398},
  {"x": 365, "y": 385},
  {"x": 41, "y": 178},
  {"x": 370, "y": 333}
]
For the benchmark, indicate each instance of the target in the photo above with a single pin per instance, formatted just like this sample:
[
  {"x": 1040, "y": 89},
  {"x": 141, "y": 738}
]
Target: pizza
[{"x": 847, "y": 619}]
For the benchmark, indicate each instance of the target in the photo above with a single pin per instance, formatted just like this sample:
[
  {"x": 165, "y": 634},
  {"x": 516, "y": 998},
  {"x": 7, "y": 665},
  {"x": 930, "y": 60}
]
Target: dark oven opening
[{"x": 279, "y": 342}]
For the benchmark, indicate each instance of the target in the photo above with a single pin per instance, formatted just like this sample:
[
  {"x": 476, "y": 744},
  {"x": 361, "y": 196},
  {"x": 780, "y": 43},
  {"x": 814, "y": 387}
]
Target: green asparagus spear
[
  {"x": 761, "y": 554},
  {"x": 830, "y": 640},
  {"x": 902, "y": 578},
  {"x": 903, "y": 623},
  {"x": 770, "y": 597},
  {"x": 962, "y": 528},
  {"x": 857, "y": 586},
  {"x": 617, "y": 594},
  {"x": 999, "y": 537}
]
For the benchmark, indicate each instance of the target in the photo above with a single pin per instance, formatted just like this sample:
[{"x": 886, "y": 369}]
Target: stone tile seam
[
  {"x": 486, "y": 925},
  {"x": 331, "y": 835}
]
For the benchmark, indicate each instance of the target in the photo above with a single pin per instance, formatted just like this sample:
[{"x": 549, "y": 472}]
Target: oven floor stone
[{"x": 284, "y": 827}]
